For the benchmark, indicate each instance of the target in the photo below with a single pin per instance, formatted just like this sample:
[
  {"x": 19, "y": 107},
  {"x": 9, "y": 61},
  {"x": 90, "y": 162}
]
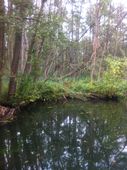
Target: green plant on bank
[
  {"x": 30, "y": 91},
  {"x": 112, "y": 83},
  {"x": 116, "y": 68},
  {"x": 3, "y": 95}
]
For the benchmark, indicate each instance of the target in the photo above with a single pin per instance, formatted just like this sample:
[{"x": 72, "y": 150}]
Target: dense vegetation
[{"x": 62, "y": 49}]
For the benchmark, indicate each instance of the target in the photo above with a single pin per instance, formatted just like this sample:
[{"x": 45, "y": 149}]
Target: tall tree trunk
[
  {"x": 15, "y": 62},
  {"x": 2, "y": 42},
  {"x": 28, "y": 66},
  {"x": 96, "y": 43},
  {"x": 21, "y": 9},
  {"x": 10, "y": 34}
]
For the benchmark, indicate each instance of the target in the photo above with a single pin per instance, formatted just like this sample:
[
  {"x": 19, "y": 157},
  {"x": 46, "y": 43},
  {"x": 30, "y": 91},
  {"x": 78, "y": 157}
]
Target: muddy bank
[{"x": 6, "y": 114}]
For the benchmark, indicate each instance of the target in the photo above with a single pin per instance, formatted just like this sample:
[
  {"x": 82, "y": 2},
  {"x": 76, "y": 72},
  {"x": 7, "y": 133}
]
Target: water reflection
[{"x": 72, "y": 136}]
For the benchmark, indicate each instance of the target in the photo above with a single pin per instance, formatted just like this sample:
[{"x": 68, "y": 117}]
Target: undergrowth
[
  {"x": 55, "y": 90},
  {"x": 112, "y": 83}
]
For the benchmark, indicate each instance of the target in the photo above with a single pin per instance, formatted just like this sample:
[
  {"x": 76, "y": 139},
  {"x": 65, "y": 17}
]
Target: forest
[
  {"x": 63, "y": 85},
  {"x": 56, "y": 49}
]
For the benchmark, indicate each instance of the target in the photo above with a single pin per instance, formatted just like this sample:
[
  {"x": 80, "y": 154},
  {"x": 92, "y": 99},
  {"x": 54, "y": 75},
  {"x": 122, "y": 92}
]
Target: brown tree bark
[
  {"x": 15, "y": 62},
  {"x": 20, "y": 8},
  {"x": 96, "y": 43},
  {"x": 2, "y": 42},
  {"x": 10, "y": 33}
]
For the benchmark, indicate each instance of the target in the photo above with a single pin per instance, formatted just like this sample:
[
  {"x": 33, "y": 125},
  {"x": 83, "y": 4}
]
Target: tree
[
  {"x": 20, "y": 11},
  {"x": 2, "y": 40}
]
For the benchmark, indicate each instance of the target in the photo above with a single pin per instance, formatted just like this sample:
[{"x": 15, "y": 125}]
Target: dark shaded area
[{"x": 71, "y": 136}]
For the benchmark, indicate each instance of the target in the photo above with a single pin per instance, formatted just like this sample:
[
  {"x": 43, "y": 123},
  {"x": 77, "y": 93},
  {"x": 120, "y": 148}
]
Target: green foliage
[
  {"x": 112, "y": 84},
  {"x": 3, "y": 95},
  {"x": 115, "y": 68},
  {"x": 50, "y": 90},
  {"x": 27, "y": 90}
]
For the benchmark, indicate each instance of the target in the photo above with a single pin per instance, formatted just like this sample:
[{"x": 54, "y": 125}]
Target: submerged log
[
  {"x": 6, "y": 113},
  {"x": 95, "y": 96}
]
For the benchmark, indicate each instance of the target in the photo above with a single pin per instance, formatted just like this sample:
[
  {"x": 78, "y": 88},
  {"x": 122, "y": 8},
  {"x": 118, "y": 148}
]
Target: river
[{"x": 69, "y": 136}]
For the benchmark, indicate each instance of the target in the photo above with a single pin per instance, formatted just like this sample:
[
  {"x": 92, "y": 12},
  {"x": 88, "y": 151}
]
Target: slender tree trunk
[
  {"x": 21, "y": 9},
  {"x": 2, "y": 42},
  {"x": 10, "y": 35},
  {"x": 28, "y": 66},
  {"x": 24, "y": 51},
  {"x": 96, "y": 43},
  {"x": 15, "y": 62}
]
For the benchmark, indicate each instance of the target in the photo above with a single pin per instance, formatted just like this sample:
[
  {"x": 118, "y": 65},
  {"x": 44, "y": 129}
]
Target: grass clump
[{"x": 50, "y": 90}]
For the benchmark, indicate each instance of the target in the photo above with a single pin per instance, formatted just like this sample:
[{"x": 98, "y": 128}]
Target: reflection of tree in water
[{"x": 67, "y": 138}]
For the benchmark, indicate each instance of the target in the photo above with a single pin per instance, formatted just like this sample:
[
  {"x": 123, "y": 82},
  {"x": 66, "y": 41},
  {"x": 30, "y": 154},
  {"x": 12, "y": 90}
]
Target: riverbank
[
  {"x": 82, "y": 89},
  {"x": 54, "y": 91}
]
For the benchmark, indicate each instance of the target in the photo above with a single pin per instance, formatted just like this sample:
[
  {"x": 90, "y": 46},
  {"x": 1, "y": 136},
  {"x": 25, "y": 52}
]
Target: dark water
[{"x": 72, "y": 136}]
